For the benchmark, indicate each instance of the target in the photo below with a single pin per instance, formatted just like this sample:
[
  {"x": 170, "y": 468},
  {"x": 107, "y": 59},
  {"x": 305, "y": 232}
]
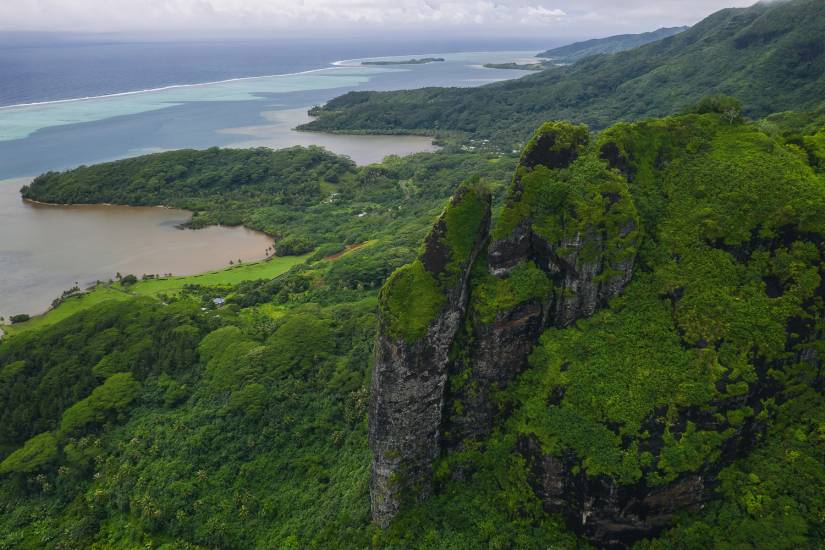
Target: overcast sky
[{"x": 501, "y": 17}]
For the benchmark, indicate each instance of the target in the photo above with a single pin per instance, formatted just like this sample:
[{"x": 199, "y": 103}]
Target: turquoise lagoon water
[
  {"x": 46, "y": 250},
  {"x": 61, "y": 134}
]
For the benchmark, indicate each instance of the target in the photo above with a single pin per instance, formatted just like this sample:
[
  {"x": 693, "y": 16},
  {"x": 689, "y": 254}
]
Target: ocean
[
  {"x": 67, "y": 100},
  {"x": 38, "y": 67}
]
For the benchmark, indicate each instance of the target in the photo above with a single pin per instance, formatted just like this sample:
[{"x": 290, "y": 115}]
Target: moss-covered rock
[
  {"x": 644, "y": 303},
  {"x": 647, "y": 400},
  {"x": 410, "y": 300}
]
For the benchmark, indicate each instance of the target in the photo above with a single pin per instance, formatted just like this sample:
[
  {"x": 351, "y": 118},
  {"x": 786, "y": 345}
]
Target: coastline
[
  {"x": 363, "y": 144},
  {"x": 271, "y": 266},
  {"x": 50, "y": 246},
  {"x": 94, "y": 204}
]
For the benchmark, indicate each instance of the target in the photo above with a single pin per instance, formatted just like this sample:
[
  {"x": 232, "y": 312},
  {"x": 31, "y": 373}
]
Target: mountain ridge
[
  {"x": 771, "y": 56},
  {"x": 571, "y": 53},
  {"x": 614, "y": 253}
]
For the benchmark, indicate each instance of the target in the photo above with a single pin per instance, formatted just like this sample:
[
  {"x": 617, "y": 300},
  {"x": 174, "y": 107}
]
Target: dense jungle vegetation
[
  {"x": 611, "y": 44},
  {"x": 169, "y": 422},
  {"x": 771, "y": 56}
]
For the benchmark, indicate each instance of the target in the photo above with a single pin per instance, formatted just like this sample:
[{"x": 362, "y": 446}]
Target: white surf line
[{"x": 165, "y": 88}]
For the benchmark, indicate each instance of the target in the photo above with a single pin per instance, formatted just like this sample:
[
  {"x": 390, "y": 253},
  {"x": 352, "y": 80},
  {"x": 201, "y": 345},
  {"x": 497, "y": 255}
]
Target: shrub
[
  {"x": 249, "y": 400},
  {"x": 729, "y": 107},
  {"x": 111, "y": 397},
  {"x": 36, "y": 453}
]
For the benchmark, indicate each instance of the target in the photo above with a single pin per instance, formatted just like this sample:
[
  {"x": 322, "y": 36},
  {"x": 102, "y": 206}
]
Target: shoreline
[
  {"x": 165, "y": 207},
  {"x": 37, "y": 304},
  {"x": 94, "y": 204},
  {"x": 278, "y": 265}
]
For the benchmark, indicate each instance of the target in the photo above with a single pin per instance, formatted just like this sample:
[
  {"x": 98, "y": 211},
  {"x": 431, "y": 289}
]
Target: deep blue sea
[{"x": 36, "y": 67}]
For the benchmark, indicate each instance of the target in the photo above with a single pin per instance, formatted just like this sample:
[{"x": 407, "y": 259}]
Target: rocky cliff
[
  {"x": 557, "y": 263},
  {"x": 642, "y": 303},
  {"x": 422, "y": 306},
  {"x": 563, "y": 247}
]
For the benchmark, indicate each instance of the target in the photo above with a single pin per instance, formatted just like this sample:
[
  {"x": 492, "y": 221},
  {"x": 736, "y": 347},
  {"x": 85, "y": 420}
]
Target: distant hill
[
  {"x": 771, "y": 56},
  {"x": 611, "y": 44}
]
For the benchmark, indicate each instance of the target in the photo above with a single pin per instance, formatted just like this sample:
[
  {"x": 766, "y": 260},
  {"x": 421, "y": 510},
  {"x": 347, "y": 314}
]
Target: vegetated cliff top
[
  {"x": 611, "y": 44},
  {"x": 696, "y": 374},
  {"x": 770, "y": 55}
]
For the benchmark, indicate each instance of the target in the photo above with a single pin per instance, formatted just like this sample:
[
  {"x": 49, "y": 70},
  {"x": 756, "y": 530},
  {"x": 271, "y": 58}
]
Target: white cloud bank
[{"x": 512, "y": 16}]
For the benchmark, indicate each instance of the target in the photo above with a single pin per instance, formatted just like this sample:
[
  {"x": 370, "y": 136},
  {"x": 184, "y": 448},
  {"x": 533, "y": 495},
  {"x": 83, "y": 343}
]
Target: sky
[{"x": 496, "y": 17}]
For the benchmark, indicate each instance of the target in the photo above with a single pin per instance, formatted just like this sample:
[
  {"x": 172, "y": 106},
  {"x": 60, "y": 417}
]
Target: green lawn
[{"x": 266, "y": 269}]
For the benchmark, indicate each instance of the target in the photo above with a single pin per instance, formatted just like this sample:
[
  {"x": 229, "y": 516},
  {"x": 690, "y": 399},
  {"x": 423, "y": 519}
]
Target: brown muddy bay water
[{"x": 44, "y": 249}]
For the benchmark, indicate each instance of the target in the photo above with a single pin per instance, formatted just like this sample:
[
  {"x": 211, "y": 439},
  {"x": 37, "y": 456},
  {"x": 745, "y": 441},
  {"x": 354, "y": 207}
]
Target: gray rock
[{"x": 409, "y": 378}]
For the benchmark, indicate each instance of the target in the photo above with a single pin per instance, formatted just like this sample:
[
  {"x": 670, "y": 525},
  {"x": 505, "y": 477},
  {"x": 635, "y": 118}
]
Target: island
[
  {"x": 543, "y": 335},
  {"x": 422, "y": 61}
]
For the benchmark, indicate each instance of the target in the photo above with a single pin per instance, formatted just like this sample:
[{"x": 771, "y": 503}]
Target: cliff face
[
  {"x": 628, "y": 330},
  {"x": 555, "y": 265},
  {"x": 422, "y": 306},
  {"x": 564, "y": 246}
]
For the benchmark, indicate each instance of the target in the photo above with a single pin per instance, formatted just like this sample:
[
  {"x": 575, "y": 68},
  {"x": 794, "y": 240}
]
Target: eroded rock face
[
  {"x": 582, "y": 287},
  {"x": 611, "y": 515},
  {"x": 410, "y": 369},
  {"x": 499, "y": 353},
  {"x": 585, "y": 274}
]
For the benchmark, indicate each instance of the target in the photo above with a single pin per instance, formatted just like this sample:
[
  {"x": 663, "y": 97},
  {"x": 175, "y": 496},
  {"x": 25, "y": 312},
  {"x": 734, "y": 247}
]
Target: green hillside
[{"x": 771, "y": 56}]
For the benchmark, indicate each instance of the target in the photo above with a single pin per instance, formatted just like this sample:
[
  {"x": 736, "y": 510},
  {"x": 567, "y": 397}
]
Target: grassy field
[
  {"x": 266, "y": 269},
  {"x": 68, "y": 308}
]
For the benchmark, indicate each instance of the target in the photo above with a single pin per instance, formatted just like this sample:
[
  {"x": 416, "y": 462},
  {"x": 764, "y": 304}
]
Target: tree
[
  {"x": 729, "y": 107},
  {"x": 108, "y": 399}
]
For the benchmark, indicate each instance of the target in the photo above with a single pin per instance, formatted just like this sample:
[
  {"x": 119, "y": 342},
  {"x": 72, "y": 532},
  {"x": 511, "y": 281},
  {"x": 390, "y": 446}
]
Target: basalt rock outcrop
[
  {"x": 628, "y": 328},
  {"x": 422, "y": 306},
  {"x": 559, "y": 252}
]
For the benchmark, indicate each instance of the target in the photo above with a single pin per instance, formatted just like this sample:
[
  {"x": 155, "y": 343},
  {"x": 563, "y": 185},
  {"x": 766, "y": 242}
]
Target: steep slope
[
  {"x": 422, "y": 306},
  {"x": 771, "y": 56},
  {"x": 646, "y": 303},
  {"x": 611, "y": 44}
]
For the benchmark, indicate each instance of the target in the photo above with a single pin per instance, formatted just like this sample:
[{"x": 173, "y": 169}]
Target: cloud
[
  {"x": 591, "y": 16},
  {"x": 542, "y": 12}
]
